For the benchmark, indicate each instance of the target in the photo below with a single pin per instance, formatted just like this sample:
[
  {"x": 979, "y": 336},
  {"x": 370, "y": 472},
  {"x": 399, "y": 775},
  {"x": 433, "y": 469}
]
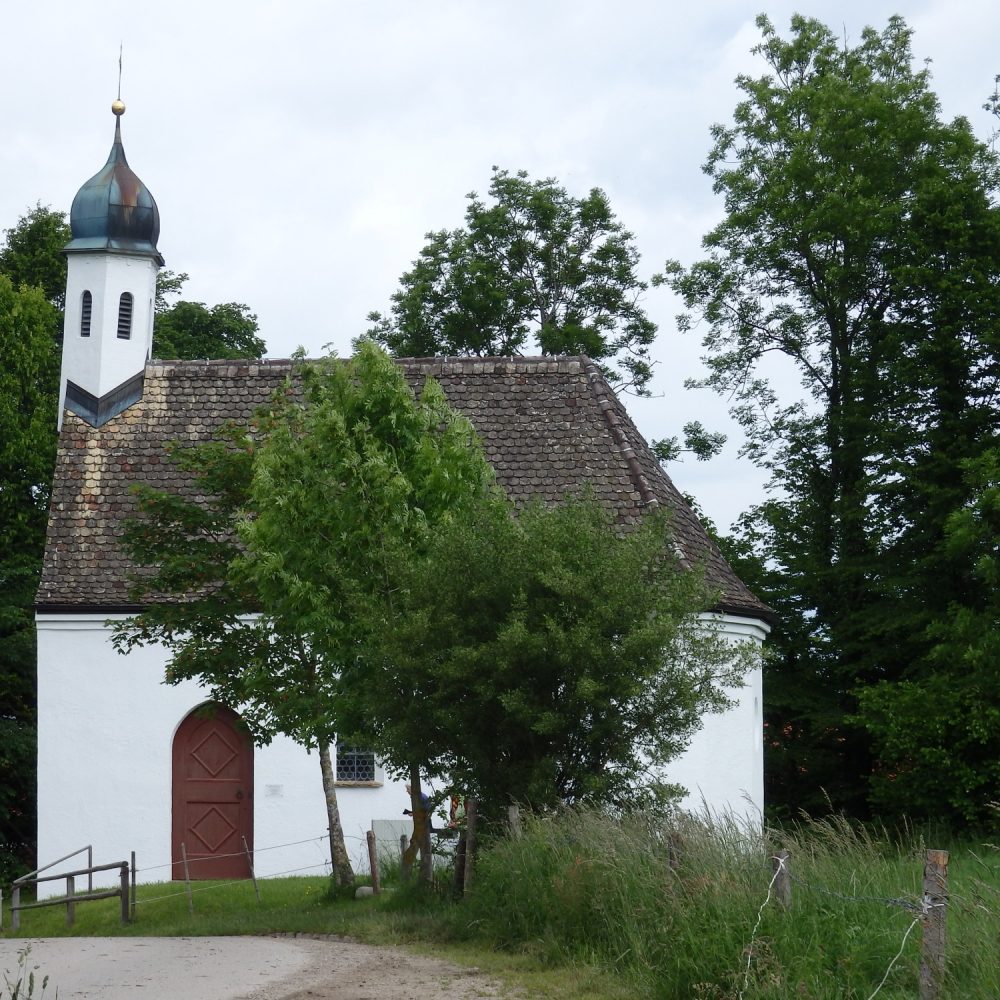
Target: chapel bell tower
[{"x": 110, "y": 290}]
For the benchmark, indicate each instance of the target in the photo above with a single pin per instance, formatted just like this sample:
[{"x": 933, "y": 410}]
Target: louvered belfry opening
[
  {"x": 86, "y": 308},
  {"x": 125, "y": 316}
]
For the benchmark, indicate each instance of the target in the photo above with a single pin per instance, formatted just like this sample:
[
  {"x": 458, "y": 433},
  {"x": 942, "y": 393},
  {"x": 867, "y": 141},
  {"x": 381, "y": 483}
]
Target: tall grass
[
  {"x": 581, "y": 893},
  {"x": 582, "y": 886}
]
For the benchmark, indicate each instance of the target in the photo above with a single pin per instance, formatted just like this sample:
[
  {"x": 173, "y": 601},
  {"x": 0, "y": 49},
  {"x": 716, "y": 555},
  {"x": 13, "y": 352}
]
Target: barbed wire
[
  {"x": 899, "y": 901},
  {"x": 921, "y": 910},
  {"x": 756, "y": 926},
  {"x": 239, "y": 854},
  {"x": 228, "y": 884},
  {"x": 913, "y": 923}
]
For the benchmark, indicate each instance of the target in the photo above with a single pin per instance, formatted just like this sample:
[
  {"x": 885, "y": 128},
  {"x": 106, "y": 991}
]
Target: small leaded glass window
[
  {"x": 354, "y": 764},
  {"x": 86, "y": 308},
  {"x": 125, "y": 316}
]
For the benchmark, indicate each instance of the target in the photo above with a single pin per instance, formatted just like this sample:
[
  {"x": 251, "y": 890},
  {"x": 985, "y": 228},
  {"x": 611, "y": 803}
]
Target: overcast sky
[{"x": 298, "y": 152}]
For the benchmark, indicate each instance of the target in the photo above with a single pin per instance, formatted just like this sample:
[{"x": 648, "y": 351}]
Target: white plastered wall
[
  {"x": 102, "y": 362},
  {"x": 105, "y": 732},
  {"x": 723, "y": 767}
]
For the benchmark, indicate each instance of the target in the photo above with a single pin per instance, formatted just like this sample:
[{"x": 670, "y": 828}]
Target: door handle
[{"x": 239, "y": 793}]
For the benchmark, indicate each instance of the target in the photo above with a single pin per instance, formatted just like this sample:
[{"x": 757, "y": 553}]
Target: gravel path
[{"x": 239, "y": 968}]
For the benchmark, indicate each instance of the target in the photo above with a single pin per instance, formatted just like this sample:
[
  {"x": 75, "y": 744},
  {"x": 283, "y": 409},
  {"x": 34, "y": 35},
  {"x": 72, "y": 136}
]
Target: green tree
[
  {"x": 365, "y": 468},
  {"x": 212, "y": 622},
  {"x": 32, "y": 252},
  {"x": 193, "y": 330},
  {"x": 938, "y": 730},
  {"x": 534, "y": 267},
  {"x": 860, "y": 247},
  {"x": 29, "y": 378},
  {"x": 545, "y": 658},
  {"x": 371, "y": 473}
]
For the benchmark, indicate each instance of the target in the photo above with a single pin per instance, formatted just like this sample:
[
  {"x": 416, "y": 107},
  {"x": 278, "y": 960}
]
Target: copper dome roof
[{"x": 114, "y": 210}]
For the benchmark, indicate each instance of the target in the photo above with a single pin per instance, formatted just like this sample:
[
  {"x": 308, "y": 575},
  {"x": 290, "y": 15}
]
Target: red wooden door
[{"x": 212, "y": 794}]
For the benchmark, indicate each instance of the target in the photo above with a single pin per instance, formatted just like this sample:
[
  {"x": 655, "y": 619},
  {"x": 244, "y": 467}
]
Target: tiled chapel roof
[{"x": 548, "y": 425}]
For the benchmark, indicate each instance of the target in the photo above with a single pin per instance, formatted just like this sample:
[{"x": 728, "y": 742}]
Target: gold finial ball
[{"x": 118, "y": 107}]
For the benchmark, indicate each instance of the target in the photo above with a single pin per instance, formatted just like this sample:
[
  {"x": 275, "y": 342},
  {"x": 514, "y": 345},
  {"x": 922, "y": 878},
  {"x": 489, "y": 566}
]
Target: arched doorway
[{"x": 212, "y": 794}]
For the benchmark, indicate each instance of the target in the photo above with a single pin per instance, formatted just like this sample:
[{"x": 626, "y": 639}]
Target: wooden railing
[{"x": 72, "y": 897}]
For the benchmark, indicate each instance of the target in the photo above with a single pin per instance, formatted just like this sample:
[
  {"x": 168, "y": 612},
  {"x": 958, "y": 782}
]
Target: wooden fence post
[
  {"x": 124, "y": 892},
  {"x": 675, "y": 845},
  {"x": 187, "y": 878},
  {"x": 373, "y": 861},
  {"x": 458, "y": 882},
  {"x": 471, "y": 813},
  {"x": 514, "y": 821},
  {"x": 253, "y": 876},
  {"x": 132, "y": 907},
  {"x": 404, "y": 864},
  {"x": 782, "y": 879},
  {"x": 15, "y": 908},
  {"x": 935, "y": 908}
]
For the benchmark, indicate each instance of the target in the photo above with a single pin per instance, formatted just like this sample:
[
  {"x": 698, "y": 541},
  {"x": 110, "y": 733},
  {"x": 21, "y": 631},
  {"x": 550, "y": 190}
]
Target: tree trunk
[
  {"x": 342, "y": 870},
  {"x": 421, "y": 839}
]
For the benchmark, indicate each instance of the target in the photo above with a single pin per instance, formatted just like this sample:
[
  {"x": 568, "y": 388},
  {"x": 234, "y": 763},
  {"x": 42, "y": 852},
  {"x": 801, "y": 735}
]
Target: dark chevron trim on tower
[{"x": 97, "y": 412}]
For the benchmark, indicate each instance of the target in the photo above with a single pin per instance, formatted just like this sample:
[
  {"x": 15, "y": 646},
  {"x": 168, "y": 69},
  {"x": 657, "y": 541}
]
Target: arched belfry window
[
  {"x": 125, "y": 316},
  {"x": 86, "y": 308}
]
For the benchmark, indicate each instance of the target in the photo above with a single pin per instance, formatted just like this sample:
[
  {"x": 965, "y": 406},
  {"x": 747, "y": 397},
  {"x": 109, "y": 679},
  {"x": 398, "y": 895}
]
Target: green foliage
[
  {"x": 399, "y": 602},
  {"x": 698, "y": 441},
  {"x": 673, "y": 908},
  {"x": 29, "y": 371},
  {"x": 193, "y": 330},
  {"x": 217, "y": 627},
  {"x": 168, "y": 285},
  {"x": 938, "y": 733},
  {"x": 546, "y": 658},
  {"x": 347, "y": 484},
  {"x": 256, "y": 573},
  {"x": 32, "y": 252},
  {"x": 536, "y": 266},
  {"x": 862, "y": 248}
]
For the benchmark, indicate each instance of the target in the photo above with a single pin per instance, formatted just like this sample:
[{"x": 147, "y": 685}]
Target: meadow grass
[
  {"x": 585, "y": 887},
  {"x": 586, "y": 905}
]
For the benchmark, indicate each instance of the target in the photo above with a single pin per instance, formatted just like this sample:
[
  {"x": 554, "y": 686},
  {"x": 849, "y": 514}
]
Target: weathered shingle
[{"x": 548, "y": 425}]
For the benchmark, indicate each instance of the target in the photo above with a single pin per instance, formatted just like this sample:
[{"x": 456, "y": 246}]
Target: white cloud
[{"x": 299, "y": 152}]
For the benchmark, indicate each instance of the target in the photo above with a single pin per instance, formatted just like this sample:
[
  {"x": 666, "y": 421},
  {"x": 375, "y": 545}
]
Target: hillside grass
[{"x": 584, "y": 905}]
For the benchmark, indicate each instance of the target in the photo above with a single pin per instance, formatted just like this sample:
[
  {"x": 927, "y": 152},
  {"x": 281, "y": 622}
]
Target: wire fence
[
  {"x": 239, "y": 854},
  {"x": 929, "y": 911},
  {"x": 230, "y": 882}
]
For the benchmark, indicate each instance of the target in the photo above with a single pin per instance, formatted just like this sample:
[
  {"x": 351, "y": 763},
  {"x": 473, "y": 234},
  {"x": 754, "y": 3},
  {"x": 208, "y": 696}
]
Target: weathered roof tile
[{"x": 549, "y": 427}]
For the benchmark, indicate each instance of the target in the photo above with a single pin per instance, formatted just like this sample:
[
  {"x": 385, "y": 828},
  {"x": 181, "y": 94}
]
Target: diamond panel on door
[{"x": 212, "y": 795}]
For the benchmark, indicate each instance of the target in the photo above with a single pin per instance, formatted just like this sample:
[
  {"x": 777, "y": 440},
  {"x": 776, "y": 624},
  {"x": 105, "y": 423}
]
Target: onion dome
[{"x": 114, "y": 209}]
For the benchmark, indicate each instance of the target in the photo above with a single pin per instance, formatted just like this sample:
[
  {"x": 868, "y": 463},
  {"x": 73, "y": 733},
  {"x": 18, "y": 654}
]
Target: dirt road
[{"x": 238, "y": 968}]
